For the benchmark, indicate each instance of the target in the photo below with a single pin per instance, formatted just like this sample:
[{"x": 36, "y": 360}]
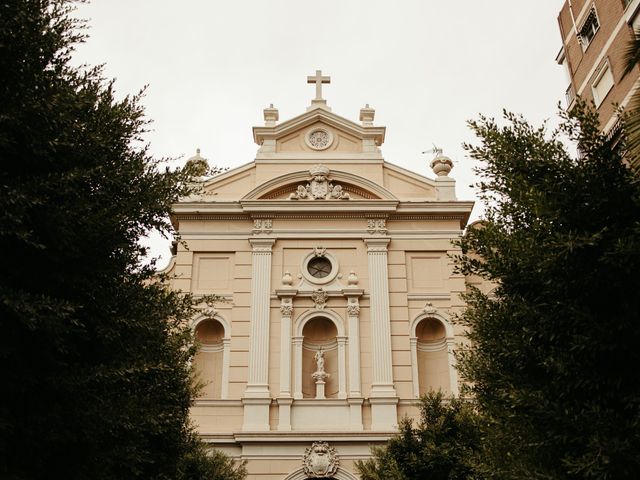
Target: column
[
  {"x": 256, "y": 397},
  {"x": 284, "y": 397},
  {"x": 453, "y": 370},
  {"x": 226, "y": 354},
  {"x": 297, "y": 353},
  {"x": 353, "y": 312},
  {"x": 355, "y": 384},
  {"x": 383, "y": 394},
  {"x": 414, "y": 366},
  {"x": 342, "y": 362}
]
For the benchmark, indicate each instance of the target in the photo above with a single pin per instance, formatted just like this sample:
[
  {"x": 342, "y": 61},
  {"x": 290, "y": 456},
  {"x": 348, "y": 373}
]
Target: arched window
[
  {"x": 211, "y": 359},
  {"x": 432, "y": 359},
  {"x": 319, "y": 333}
]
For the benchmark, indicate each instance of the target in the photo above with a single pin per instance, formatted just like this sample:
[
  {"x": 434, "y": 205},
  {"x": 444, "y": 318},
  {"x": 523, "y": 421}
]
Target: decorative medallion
[
  {"x": 319, "y": 139},
  {"x": 320, "y": 460},
  {"x": 319, "y": 188}
]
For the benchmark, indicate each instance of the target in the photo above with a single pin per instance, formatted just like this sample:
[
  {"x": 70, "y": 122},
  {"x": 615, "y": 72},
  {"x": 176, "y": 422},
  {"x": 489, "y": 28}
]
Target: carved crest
[
  {"x": 319, "y": 188},
  {"x": 319, "y": 297},
  {"x": 320, "y": 460}
]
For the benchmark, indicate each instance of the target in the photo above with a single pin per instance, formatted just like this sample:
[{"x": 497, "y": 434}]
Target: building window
[
  {"x": 589, "y": 29},
  {"x": 602, "y": 84}
]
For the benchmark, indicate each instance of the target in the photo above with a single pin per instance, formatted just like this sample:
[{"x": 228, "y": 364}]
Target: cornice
[
  {"x": 318, "y": 206},
  {"x": 323, "y": 209}
]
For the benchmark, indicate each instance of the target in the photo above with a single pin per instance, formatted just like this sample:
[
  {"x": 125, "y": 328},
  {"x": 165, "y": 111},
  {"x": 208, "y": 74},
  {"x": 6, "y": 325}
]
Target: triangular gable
[{"x": 319, "y": 130}]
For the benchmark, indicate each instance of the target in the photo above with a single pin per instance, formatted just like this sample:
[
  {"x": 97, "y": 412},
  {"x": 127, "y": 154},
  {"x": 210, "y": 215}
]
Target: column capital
[
  {"x": 375, "y": 245},
  {"x": 262, "y": 245}
]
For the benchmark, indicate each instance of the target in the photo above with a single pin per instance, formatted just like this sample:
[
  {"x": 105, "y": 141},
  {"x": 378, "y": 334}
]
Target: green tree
[
  {"x": 631, "y": 117},
  {"x": 553, "y": 354},
  {"x": 94, "y": 354},
  {"x": 442, "y": 446}
]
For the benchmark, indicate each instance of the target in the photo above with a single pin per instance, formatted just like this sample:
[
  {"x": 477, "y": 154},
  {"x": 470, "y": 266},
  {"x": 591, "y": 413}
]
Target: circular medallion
[{"x": 319, "y": 139}]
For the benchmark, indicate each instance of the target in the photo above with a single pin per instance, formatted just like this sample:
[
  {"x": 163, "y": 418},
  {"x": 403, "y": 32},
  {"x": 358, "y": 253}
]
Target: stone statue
[{"x": 319, "y": 357}]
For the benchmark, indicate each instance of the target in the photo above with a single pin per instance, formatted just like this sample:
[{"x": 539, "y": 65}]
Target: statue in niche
[
  {"x": 319, "y": 357},
  {"x": 320, "y": 375}
]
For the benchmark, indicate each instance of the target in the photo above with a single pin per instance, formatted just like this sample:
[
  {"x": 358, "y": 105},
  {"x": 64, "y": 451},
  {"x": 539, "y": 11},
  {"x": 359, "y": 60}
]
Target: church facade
[{"x": 338, "y": 285}]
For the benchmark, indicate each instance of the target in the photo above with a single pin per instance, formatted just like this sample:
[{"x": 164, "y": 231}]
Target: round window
[{"x": 319, "y": 267}]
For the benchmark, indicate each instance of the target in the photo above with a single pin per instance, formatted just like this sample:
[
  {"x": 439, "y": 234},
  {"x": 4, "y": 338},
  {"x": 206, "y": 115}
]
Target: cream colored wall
[{"x": 418, "y": 270}]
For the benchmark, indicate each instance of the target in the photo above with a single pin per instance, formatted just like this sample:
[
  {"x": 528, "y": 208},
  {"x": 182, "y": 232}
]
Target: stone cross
[{"x": 318, "y": 79}]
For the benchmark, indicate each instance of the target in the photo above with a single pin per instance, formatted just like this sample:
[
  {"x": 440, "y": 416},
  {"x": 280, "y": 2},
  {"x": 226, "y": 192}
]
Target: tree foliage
[
  {"x": 442, "y": 446},
  {"x": 94, "y": 355},
  {"x": 552, "y": 359}
]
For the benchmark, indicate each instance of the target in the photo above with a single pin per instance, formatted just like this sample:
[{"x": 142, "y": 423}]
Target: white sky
[{"x": 426, "y": 66}]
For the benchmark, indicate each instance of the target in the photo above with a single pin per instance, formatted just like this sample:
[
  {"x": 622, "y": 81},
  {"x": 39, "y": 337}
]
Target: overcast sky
[{"x": 426, "y": 66}]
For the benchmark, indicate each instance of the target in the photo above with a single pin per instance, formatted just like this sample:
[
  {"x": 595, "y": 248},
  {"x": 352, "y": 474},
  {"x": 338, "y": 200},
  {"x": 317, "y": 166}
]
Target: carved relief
[
  {"x": 320, "y": 461},
  {"x": 262, "y": 225},
  {"x": 319, "y": 139},
  {"x": 429, "y": 309},
  {"x": 286, "y": 308},
  {"x": 353, "y": 307},
  {"x": 320, "y": 297},
  {"x": 377, "y": 225},
  {"x": 319, "y": 188}
]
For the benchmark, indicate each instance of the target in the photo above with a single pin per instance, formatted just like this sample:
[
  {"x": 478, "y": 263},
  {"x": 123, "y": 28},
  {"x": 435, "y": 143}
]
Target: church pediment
[
  {"x": 321, "y": 131},
  {"x": 319, "y": 184}
]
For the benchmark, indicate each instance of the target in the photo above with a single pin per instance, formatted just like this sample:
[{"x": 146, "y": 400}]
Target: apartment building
[{"x": 595, "y": 37}]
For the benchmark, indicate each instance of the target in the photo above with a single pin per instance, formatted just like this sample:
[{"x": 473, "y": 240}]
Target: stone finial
[
  {"x": 271, "y": 116},
  {"x": 287, "y": 279},
  {"x": 367, "y": 115},
  {"x": 441, "y": 165},
  {"x": 198, "y": 165},
  {"x": 352, "y": 280}
]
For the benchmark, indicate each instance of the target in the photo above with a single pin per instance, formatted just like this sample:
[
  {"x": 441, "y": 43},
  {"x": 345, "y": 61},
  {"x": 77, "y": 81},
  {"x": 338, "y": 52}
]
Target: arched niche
[
  {"x": 432, "y": 358},
  {"x": 314, "y": 329},
  {"x": 211, "y": 361}
]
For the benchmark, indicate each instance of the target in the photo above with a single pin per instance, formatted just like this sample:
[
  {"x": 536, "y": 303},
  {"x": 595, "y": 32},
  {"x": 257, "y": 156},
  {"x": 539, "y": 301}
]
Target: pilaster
[
  {"x": 256, "y": 397},
  {"x": 383, "y": 394},
  {"x": 284, "y": 397}
]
